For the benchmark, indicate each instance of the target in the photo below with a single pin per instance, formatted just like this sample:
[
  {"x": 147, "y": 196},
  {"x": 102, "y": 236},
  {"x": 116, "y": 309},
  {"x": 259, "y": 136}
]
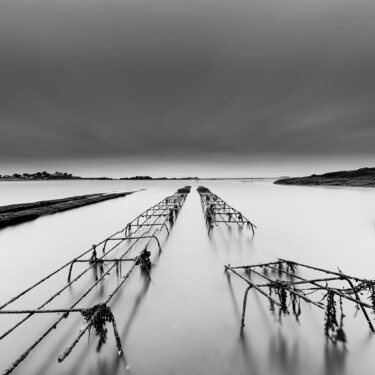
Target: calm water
[{"x": 186, "y": 321}]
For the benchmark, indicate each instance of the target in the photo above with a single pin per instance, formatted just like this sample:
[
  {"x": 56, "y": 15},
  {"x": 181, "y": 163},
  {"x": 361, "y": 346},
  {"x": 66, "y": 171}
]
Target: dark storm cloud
[{"x": 107, "y": 78}]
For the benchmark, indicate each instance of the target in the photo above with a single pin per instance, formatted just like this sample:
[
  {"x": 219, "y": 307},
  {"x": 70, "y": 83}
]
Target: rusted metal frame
[
  {"x": 13, "y": 299},
  {"x": 340, "y": 276},
  {"x": 77, "y": 278},
  {"x": 201, "y": 199},
  {"x": 361, "y": 306},
  {"x": 244, "y": 303},
  {"x": 104, "y": 260},
  {"x": 223, "y": 220},
  {"x": 253, "y": 285},
  {"x": 322, "y": 270},
  {"x": 207, "y": 205},
  {"x": 163, "y": 224},
  {"x": 67, "y": 351},
  {"x": 125, "y": 229},
  {"x": 298, "y": 280},
  {"x": 226, "y": 207},
  {"x": 162, "y": 202},
  {"x": 50, "y": 299},
  {"x": 303, "y": 282},
  {"x": 118, "y": 244},
  {"x": 333, "y": 290},
  {"x": 170, "y": 206},
  {"x": 138, "y": 237},
  {"x": 287, "y": 286},
  {"x": 228, "y": 221},
  {"x": 75, "y": 341},
  {"x": 256, "y": 265},
  {"x": 22, "y": 357},
  {"x": 53, "y": 326},
  {"x": 230, "y": 207},
  {"x": 203, "y": 209},
  {"x": 154, "y": 215},
  {"x": 46, "y": 311},
  {"x": 145, "y": 225},
  {"x": 223, "y": 211}
]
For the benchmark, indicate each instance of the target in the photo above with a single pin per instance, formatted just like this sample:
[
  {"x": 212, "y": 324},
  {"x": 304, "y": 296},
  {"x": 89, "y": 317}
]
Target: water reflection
[
  {"x": 283, "y": 356},
  {"x": 136, "y": 306},
  {"x": 188, "y": 321},
  {"x": 334, "y": 359},
  {"x": 111, "y": 366},
  {"x": 250, "y": 359}
]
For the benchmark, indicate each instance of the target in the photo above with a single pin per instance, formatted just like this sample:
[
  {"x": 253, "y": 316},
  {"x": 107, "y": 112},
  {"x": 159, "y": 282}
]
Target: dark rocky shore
[
  {"x": 18, "y": 213},
  {"x": 364, "y": 177}
]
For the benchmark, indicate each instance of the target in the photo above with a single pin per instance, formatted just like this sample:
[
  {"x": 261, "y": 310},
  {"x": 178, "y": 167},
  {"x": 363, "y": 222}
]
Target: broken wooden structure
[
  {"x": 216, "y": 210},
  {"x": 280, "y": 283},
  {"x": 133, "y": 247}
]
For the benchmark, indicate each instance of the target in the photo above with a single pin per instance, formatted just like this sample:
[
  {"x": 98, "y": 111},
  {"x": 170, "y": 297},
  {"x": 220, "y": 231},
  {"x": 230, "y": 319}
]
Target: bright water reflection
[{"x": 186, "y": 321}]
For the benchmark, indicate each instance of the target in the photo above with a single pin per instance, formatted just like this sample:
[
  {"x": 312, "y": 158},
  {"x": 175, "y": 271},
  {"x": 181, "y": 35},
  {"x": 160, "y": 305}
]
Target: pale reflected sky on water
[{"x": 187, "y": 319}]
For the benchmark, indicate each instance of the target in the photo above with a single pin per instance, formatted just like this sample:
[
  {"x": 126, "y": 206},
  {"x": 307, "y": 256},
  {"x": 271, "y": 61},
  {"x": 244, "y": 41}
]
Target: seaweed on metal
[
  {"x": 287, "y": 289},
  {"x": 144, "y": 229},
  {"x": 216, "y": 210}
]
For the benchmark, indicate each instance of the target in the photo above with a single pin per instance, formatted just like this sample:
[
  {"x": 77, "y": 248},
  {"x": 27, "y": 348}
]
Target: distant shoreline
[
  {"x": 363, "y": 177},
  {"x": 59, "y": 176}
]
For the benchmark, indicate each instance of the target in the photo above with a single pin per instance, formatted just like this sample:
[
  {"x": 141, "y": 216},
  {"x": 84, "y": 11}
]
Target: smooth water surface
[{"x": 187, "y": 319}]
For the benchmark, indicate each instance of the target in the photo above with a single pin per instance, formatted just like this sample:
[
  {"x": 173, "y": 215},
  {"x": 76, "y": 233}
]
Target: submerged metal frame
[
  {"x": 136, "y": 231},
  {"x": 281, "y": 277},
  {"x": 216, "y": 210}
]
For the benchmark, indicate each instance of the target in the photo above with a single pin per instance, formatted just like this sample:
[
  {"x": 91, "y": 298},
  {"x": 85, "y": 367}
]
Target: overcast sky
[{"x": 188, "y": 81}]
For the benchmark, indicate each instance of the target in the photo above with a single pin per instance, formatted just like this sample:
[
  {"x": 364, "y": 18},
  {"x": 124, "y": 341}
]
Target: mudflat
[{"x": 18, "y": 213}]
